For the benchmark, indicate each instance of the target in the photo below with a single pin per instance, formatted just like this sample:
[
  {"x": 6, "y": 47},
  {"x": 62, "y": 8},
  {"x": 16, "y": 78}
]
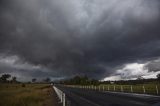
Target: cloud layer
[
  {"x": 132, "y": 71},
  {"x": 85, "y": 37}
]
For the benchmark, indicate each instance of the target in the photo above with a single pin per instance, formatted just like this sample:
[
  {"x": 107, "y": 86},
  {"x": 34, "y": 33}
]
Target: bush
[{"x": 23, "y": 85}]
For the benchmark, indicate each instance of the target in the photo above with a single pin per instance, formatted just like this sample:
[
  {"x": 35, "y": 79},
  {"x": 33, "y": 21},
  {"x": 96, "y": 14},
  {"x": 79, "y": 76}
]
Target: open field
[
  {"x": 26, "y": 95},
  {"x": 148, "y": 88},
  {"x": 153, "y": 89}
]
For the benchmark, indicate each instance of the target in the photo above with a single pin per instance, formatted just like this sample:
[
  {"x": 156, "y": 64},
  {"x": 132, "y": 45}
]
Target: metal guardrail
[{"x": 60, "y": 95}]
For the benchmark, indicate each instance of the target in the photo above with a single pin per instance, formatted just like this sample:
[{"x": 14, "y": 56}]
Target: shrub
[{"x": 23, "y": 85}]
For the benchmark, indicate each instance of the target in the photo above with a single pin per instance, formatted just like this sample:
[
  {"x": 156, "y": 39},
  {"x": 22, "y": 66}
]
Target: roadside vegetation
[
  {"x": 141, "y": 85},
  {"x": 150, "y": 88},
  {"x": 16, "y": 93},
  {"x": 26, "y": 95}
]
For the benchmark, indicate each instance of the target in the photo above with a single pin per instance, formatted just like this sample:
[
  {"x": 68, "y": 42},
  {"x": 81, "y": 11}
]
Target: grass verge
[{"x": 26, "y": 95}]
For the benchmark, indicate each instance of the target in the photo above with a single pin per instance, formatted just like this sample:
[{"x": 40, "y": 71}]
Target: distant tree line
[
  {"x": 80, "y": 80},
  {"x": 84, "y": 80},
  {"x": 132, "y": 82},
  {"x": 158, "y": 76},
  {"x": 7, "y": 78},
  {"x": 46, "y": 80}
]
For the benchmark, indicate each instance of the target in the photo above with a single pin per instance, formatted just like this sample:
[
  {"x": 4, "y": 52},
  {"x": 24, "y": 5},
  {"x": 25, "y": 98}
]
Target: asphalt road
[{"x": 83, "y": 97}]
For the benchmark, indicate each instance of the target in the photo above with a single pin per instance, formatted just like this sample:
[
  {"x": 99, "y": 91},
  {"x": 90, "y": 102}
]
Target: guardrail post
[
  {"x": 64, "y": 99},
  {"x": 144, "y": 91},
  {"x": 157, "y": 89},
  {"x": 61, "y": 97},
  {"x": 114, "y": 88},
  {"x": 103, "y": 88}
]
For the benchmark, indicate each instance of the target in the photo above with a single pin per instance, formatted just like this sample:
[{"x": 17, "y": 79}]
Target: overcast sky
[{"x": 103, "y": 39}]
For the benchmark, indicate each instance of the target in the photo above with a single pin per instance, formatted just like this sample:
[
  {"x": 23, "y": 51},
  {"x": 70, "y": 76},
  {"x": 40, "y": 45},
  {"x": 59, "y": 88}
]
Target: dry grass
[{"x": 30, "y": 95}]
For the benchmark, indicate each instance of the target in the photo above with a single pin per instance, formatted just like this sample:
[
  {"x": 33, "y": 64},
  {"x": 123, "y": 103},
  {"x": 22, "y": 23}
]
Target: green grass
[
  {"x": 30, "y": 95},
  {"x": 138, "y": 88},
  {"x": 148, "y": 88}
]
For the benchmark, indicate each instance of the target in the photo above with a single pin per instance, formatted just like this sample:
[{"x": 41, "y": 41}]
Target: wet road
[{"x": 83, "y": 97}]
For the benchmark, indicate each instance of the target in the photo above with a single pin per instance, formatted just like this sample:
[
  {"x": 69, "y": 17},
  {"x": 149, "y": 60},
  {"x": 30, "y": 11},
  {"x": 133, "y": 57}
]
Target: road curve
[{"x": 83, "y": 97}]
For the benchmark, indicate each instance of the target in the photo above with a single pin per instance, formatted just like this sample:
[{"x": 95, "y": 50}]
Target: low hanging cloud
[
  {"x": 77, "y": 37},
  {"x": 25, "y": 71},
  {"x": 133, "y": 71}
]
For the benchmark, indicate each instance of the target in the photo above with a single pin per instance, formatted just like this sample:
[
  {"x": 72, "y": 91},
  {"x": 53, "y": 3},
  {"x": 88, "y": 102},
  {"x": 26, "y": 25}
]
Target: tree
[
  {"x": 34, "y": 80},
  {"x": 47, "y": 80},
  {"x": 140, "y": 78},
  {"x": 81, "y": 80},
  {"x": 5, "y": 77},
  {"x": 158, "y": 76},
  {"x": 14, "y": 79},
  {"x": 94, "y": 82}
]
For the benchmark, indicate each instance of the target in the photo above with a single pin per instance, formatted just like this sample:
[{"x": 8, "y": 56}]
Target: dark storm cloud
[{"x": 79, "y": 36}]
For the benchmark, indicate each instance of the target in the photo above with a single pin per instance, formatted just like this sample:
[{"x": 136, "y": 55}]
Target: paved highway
[{"x": 83, "y": 97}]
